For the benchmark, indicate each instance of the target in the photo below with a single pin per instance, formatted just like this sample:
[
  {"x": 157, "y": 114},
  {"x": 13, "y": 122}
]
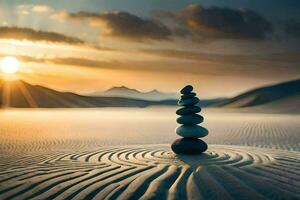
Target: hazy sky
[{"x": 221, "y": 47}]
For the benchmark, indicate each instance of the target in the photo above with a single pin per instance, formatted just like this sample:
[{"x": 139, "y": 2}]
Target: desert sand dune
[
  {"x": 132, "y": 172},
  {"x": 250, "y": 156}
]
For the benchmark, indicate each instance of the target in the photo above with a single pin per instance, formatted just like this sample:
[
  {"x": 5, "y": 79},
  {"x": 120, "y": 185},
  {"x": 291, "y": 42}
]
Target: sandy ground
[{"x": 254, "y": 157}]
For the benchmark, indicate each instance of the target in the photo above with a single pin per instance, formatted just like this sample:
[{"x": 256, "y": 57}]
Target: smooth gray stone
[
  {"x": 188, "y": 102},
  {"x": 189, "y": 146},
  {"x": 187, "y": 96},
  {"x": 190, "y": 119},
  {"x": 188, "y": 110},
  {"x": 191, "y": 131},
  {"x": 187, "y": 89}
]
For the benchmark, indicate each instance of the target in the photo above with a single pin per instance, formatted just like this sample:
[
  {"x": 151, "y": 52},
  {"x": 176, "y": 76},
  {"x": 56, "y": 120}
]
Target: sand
[
  {"x": 132, "y": 172},
  {"x": 259, "y": 159}
]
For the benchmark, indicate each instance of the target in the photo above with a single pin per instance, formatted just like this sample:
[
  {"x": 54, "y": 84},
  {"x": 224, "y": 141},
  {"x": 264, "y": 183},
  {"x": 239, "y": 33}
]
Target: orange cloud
[{"x": 20, "y": 33}]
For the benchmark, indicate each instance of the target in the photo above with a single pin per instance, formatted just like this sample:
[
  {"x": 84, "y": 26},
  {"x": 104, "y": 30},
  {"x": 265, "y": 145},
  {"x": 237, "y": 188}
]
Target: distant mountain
[
  {"x": 20, "y": 94},
  {"x": 283, "y": 97},
  {"x": 276, "y": 96},
  {"x": 125, "y": 92},
  {"x": 24, "y": 95}
]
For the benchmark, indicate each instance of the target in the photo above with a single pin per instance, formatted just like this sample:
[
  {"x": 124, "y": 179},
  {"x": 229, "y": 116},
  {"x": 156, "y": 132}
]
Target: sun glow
[{"x": 10, "y": 65}]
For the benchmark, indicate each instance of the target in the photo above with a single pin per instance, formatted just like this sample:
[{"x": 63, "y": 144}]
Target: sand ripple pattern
[{"x": 152, "y": 172}]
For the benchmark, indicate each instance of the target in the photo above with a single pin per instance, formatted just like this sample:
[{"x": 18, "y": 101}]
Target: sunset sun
[{"x": 10, "y": 65}]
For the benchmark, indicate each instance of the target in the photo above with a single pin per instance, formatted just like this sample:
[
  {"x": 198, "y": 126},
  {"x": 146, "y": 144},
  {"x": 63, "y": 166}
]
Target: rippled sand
[
  {"x": 132, "y": 172},
  {"x": 61, "y": 167}
]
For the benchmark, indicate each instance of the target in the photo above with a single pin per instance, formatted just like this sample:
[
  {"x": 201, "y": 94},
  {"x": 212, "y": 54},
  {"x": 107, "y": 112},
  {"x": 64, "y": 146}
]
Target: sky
[{"x": 220, "y": 47}]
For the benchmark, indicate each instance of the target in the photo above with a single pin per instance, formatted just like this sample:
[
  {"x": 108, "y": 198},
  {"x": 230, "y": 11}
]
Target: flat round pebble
[
  {"x": 188, "y": 102},
  {"x": 190, "y": 119},
  {"x": 187, "y": 96},
  {"x": 191, "y": 131},
  {"x": 189, "y": 146},
  {"x": 188, "y": 110}
]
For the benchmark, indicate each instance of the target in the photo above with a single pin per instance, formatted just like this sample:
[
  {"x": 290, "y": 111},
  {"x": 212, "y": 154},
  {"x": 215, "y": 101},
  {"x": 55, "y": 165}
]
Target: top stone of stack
[{"x": 187, "y": 89}]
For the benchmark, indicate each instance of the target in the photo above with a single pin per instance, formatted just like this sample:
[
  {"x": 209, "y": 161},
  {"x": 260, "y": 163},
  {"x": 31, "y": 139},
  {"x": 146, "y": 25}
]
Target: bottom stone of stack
[{"x": 189, "y": 146}]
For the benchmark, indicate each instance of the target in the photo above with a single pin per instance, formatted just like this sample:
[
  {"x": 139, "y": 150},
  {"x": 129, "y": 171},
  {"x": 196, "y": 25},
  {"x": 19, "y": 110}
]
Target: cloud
[
  {"x": 125, "y": 25},
  {"x": 70, "y": 61},
  {"x": 238, "y": 59},
  {"x": 186, "y": 62},
  {"x": 194, "y": 21},
  {"x": 40, "y": 8},
  {"x": 23, "y": 9},
  {"x": 217, "y": 22},
  {"x": 27, "y": 9},
  {"x": 20, "y": 33},
  {"x": 60, "y": 16},
  {"x": 264, "y": 66},
  {"x": 292, "y": 27}
]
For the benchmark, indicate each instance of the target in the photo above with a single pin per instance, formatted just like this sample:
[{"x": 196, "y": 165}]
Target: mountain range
[
  {"x": 21, "y": 94},
  {"x": 126, "y": 92},
  {"x": 282, "y": 97}
]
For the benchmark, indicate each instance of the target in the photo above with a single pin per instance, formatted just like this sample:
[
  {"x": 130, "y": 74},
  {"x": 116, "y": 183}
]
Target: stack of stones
[{"x": 189, "y": 130}]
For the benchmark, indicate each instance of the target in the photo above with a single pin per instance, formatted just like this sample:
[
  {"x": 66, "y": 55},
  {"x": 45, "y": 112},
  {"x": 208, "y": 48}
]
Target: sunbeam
[{"x": 30, "y": 100}]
